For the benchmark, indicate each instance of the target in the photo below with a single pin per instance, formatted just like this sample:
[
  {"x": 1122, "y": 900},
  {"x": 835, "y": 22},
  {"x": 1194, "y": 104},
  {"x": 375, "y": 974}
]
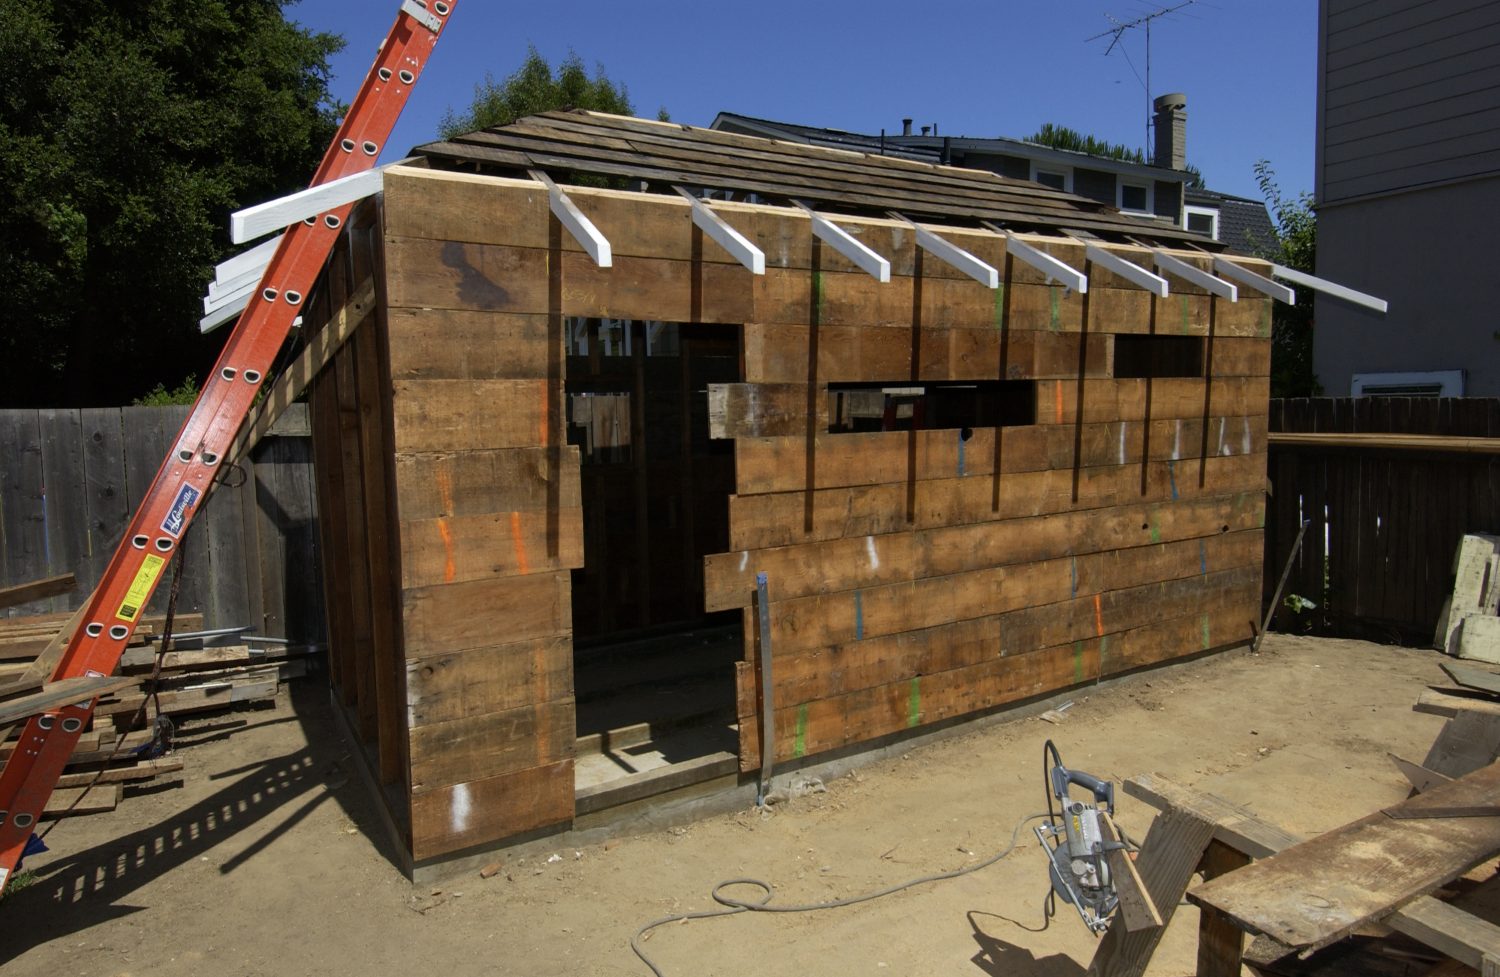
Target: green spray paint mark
[
  {"x": 1207, "y": 643},
  {"x": 1000, "y": 306},
  {"x": 914, "y": 703},
  {"x": 1260, "y": 519},
  {"x": 1103, "y": 652},
  {"x": 817, "y": 285},
  {"x": 1056, "y": 296},
  {"x": 799, "y": 747},
  {"x": 1156, "y": 529},
  {"x": 1078, "y": 661},
  {"x": 1182, "y": 300}
]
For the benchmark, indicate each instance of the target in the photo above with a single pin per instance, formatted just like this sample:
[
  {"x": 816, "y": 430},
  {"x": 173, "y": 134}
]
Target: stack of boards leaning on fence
[{"x": 1098, "y": 510}]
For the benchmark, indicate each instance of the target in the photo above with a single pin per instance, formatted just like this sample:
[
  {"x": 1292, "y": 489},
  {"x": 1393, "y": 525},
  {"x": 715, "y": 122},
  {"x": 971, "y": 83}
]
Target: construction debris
[
  {"x": 1468, "y": 626},
  {"x": 137, "y": 709}
]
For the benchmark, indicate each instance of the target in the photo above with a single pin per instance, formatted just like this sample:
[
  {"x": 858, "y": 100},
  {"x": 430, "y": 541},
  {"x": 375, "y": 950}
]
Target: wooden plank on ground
[
  {"x": 68, "y": 801},
  {"x": 1317, "y": 892},
  {"x": 144, "y": 770},
  {"x": 1450, "y": 702},
  {"x": 1471, "y": 677}
]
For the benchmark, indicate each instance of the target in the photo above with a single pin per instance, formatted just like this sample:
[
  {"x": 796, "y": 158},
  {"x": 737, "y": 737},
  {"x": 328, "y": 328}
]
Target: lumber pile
[
  {"x": 1469, "y": 626},
  {"x": 124, "y": 748}
]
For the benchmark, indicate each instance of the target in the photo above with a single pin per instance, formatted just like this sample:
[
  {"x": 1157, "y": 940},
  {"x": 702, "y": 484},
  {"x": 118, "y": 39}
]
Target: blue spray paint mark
[
  {"x": 1074, "y": 565},
  {"x": 1172, "y": 474},
  {"x": 859, "y": 617},
  {"x": 960, "y": 452},
  {"x": 1203, "y": 557}
]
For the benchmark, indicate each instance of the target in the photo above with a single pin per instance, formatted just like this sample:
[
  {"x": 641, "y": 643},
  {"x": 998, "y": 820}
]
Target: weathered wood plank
[
  {"x": 487, "y": 811},
  {"x": 737, "y": 410},
  {"x": 1317, "y": 892},
  {"x": 781, "y": 464},
  {"x": 846, "y": 564},
  {"x": 780, "y": 519},
  {"x": 460, "y": 685},
  {"x": 37, "y": 590},
  {"x": 455, "y": 617},
  {"x": 432, "y": 485},
  {"x": 493, "y": 743}
]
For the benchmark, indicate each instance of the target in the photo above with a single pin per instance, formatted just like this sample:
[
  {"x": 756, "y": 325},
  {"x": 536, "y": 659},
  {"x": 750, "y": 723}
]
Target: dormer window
[
  {"x": 1203, "y": 220},
  {"x": 1133, "y": 198},
  {"x": 1056, "y": 177}
]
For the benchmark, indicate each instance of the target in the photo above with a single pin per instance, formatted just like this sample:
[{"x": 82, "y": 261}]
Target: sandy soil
[{"x": 269, "y": 860}]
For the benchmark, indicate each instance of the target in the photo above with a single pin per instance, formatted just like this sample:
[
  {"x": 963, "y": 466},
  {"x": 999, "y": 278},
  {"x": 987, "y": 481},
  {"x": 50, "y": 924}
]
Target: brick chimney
[{"x": 1171, "y": 131}]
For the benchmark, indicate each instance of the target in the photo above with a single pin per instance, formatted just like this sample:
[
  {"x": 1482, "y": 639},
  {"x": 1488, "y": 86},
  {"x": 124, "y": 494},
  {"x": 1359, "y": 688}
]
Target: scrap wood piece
[
  {"x": 1137, "y": 909},
  {"x": 1468, "y": 741},
  {"x": 144, "y": 770},
  {"x": 1169, "y": 857},
  {"x": 1450, "y": 702},
  {"x": 56, "y": 694},
  {"x": 1319, "y": 891},
  {"x": 25, "y": 593},
  {"x": 81, "y": 800},
  {"x": 1420, "y": 777},
  {"x": 1473, "y": 678}
]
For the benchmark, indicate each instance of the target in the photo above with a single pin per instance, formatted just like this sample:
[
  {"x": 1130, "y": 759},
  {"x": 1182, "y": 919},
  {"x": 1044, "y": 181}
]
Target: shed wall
[{"x": 915, "y": 576}]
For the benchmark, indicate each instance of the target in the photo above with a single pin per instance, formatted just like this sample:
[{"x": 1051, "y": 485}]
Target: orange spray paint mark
[
  {"x": 515, "y": 534},
  {"x": 1098, "y": 616},
  {"x": 1057, "y": 387},
  {"x": 542, "y": 431},
  {"x": 445, "y": 492}
]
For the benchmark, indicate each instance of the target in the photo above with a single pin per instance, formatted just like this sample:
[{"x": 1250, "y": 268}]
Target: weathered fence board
[
  {"x": 1378, "y": 557},
  {"x": 70, "y": 479}
]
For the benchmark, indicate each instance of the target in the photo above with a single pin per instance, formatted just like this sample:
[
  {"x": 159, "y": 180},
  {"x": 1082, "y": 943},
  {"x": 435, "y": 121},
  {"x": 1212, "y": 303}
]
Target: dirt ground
[{"x": 269, "y": 860}]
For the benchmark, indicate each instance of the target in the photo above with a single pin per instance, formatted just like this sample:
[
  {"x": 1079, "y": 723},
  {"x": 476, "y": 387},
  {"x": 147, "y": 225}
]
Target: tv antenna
[{"x": 1117, "y": 33}]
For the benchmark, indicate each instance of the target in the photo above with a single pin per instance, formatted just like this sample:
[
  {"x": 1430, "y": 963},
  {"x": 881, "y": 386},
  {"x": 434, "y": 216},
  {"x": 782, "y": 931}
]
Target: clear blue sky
[{"x": 1000, "y": 68}]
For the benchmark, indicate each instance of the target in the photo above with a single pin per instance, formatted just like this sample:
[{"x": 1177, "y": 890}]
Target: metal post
[
  {"x": 767, "y": 712},
  {"x": 1276, "y": 598}
]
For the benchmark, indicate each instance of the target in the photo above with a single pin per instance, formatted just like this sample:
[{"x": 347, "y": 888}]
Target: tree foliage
[
  {"x": 129, "y": 130},
  {"x": 535, "y": 87},
  {"x": 1295, "y": 246},
  {"x": 1062, "y": 137}
]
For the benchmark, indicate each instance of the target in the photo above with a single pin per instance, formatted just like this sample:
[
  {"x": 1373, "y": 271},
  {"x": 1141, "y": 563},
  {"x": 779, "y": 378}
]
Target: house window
[
  {"x": 1202, "y": 220},
  {"x": 1058, "y": 178},
  {"x": 1426, "y": 383},
  {"x": 1133, "y": 198}
]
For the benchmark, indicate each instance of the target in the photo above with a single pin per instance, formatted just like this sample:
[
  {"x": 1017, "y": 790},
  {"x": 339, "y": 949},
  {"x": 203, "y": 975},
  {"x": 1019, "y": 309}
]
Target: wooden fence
[
  {"x": 70, "y": 480},
  {"x": 1377, "y": 560}
]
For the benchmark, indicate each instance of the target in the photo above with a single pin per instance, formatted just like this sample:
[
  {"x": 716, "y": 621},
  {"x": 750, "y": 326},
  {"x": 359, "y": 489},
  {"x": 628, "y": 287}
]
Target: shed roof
[{"x": 661, "y": 155}]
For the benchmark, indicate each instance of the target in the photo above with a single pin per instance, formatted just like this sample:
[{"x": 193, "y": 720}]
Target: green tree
[
  {"x": 1295, "y": 246},
  {"x": 1062, "y": 137},
  {"x": 129, "y": 130},
  {"x": 535, "y": 87}
]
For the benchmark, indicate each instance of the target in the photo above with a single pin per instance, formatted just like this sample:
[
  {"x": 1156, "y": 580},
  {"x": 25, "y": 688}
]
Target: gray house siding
[
  {"x": 1428, "y": 254},
  {"x": 1167, "y": 200},
  {"x": 1408, "y": 188},
  {"x": 1094, "y": 184},
  {"x": 1410, "y": 94}
]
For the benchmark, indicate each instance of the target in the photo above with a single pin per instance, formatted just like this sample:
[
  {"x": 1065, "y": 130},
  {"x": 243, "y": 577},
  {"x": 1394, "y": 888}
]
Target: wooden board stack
[{"x": 192, "y": 681}]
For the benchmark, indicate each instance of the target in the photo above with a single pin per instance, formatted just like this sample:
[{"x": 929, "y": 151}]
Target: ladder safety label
[
  {"x": 177, "y": 515},
  {"x": 141, "y": 587}
]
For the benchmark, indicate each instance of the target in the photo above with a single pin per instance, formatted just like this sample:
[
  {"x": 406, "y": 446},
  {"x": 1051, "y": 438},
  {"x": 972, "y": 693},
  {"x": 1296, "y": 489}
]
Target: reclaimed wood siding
[
  {"x": 914, "y": 577},
  {"x": 72, "y": 478}
]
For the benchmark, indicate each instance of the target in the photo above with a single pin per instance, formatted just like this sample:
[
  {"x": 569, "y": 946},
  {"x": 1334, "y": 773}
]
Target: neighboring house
[
  {"x": 1408, "y": 186},
  {"x": 1158, "y": 192}
]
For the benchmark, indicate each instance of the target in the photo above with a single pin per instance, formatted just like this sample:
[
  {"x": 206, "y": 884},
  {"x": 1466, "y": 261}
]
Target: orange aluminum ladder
[{"x": 48, "y": 740}]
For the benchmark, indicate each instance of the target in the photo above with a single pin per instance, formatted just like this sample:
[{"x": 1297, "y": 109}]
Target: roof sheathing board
[{"x": 667, "y": 154}]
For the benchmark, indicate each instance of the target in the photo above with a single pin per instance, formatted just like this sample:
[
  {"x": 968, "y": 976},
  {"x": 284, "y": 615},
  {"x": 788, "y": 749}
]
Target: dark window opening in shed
[
  {"x": 900, "y": 406},
  {"x": 1138, "y": 357},
  {"x": 653, "y": 673}
]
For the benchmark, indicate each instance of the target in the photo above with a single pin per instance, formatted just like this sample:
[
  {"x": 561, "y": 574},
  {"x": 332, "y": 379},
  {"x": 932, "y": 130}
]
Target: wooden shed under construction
[{"x": 977, "y": 458}]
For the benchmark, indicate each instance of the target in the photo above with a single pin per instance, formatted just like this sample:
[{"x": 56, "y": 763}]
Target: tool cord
[{"x": 733, "y": 906}]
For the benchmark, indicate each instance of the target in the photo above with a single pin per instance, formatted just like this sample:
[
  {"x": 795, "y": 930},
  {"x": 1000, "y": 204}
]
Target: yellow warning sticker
[{"x": 141, "y": 587}]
